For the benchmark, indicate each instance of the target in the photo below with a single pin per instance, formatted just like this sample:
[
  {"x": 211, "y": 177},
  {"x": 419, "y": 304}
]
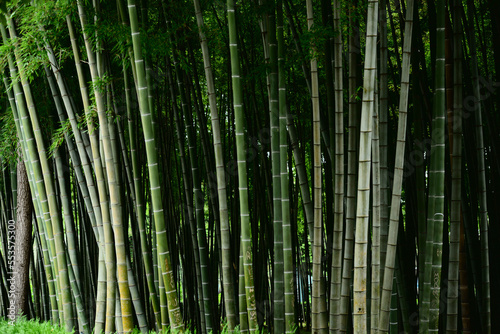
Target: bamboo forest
[{"x": 250, "y": 166}]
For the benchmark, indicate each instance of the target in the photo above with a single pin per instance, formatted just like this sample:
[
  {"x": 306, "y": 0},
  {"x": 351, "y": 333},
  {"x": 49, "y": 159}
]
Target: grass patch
[{"x": 23, "y": 326}]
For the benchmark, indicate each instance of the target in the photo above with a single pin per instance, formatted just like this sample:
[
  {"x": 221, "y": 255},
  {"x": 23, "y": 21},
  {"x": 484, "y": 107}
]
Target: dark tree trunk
[{"x": 22, "y": 242}]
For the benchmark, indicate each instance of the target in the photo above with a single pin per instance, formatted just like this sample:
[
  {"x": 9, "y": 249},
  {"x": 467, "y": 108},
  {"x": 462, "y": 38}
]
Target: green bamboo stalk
[
  {"x": 68, "y": 219},
  {"x": 401, "y": 291},
  {"x": 362, "y": 211},
  {"x": 482, "y": 196},
  {"x": 390, "y": 259},
  {"x": 105, "y": 294},
  {"x": 199, "y": 240},
  {"x": 229, "y": 302},
  {"x": 278, "y": 213},
  {"x": 436, "y": 174},
  {"x": 112, "y": 234},
  {"x": 152, "y": 158},
  {"x": 163, "y": 304},
  {"x": 319, "y": 320},
  {"x": 140, "y": 207},
  {"x": 376, "y": 242},
  {"x": 456, "y": 176},
  {"x": 136, "y": 300},
  {"x": 188, "y": 196},
  {"x": 393, "y": 322},
  {"x": 110, "y": 154},
  {"x": 352, "y": 171},
  {"x": 118, "y": 314},
  {"x": 72, "y": 242},
  {"x": 246, "y": 241},
  {"x": 200, "y": 227},
  {"x": 80, "y": 308},
  {"x": 85, "y": 180},
  {"x": 299, "y": 49},
  {"x": 303, "y": 182},
  {"x": 383, "y": 117},
  {"x": 85, "y": 158},
  {"x": 49, "y": 188},
  {"x": 15, "y": 103},
  {"x": 288, "y": 267},
  {"x": 338, "y": 228},
  {"x": 242, "y": 300}
]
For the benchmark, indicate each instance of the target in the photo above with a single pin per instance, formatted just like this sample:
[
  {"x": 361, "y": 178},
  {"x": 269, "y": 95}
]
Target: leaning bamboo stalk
[
  {"x": 115, "y": 233},
  {"x": 101, "y": 208},
  {"x": 84, "y": 180},
  {"x": 390, "y": 259},
  {"x": 298, "y": 158},
  {"x": 15, "y": 103},
  {"x": 71, "y": 241},
  {"x": 48, "y": 181},
  {"x": 383, "y": 117}
]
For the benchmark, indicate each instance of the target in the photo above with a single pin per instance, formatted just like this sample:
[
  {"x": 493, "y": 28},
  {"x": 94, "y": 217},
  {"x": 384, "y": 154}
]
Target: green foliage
[
  {"x": 318, "y": 36},
  {"x": 58, "y": 136},
  {"x": 8, "y": 137},
  {"x": 23, "y": 326},
  {"x": 35, "y": 327}
]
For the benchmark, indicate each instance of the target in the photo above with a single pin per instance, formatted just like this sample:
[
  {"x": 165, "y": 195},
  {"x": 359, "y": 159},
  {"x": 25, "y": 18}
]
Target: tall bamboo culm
[
  {"x": 229, "y": 301},
  {"x": 456, "y": 175},
  {"x": 392, "y": 239},
  {"x": 242, "y": 169},
  {"x": 319, "y": 319},
  {"x": 360, "y": 308},
  {"x": 174, "y": 311}
]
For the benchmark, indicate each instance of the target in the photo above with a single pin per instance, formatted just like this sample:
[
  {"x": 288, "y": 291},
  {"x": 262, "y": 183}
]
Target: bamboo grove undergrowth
[{"x": 279, "y": 166}]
